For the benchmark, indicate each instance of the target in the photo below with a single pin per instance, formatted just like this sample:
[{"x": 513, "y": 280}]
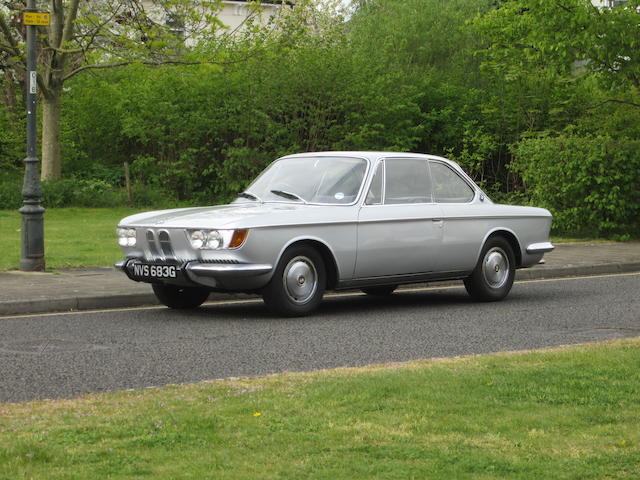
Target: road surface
[{"x": 67, "y": 355}]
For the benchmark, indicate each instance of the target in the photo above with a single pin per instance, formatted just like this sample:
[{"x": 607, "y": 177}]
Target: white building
[
  {"x": 235, "y": 16},
  {"x": 235, "y": 13},
  {"x": 607, "y": 3}
]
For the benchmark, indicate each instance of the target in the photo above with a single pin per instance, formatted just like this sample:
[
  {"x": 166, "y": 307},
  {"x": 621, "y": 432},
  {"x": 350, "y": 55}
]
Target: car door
[
  {"x": 399, "y": 225},
  {"x": 464, "y": 226}
]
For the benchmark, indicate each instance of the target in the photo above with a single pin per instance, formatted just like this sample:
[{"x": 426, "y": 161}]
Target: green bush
[
  {"x": 70, "y": 192},
  {"x": 10, "y": 191},
  {"x": 12, "y": 141},
  {"x": 150, "y": 196},
  {"x": 590, "y": 184},
  {"x": 74, "y": 192}
]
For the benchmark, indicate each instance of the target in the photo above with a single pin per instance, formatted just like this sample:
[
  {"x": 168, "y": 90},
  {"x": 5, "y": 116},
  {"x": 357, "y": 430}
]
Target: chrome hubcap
[
  {"x": 300, "y": 280},
  {"x": 495, "y": 267}
]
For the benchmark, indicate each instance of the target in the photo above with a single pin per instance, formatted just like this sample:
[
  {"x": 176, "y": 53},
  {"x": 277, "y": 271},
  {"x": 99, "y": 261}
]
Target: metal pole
[{"x": 32, "y": 251}]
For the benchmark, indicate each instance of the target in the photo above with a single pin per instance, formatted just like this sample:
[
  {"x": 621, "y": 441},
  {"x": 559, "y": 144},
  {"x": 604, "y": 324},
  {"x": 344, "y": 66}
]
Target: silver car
[{"x": 336, "y": 220}]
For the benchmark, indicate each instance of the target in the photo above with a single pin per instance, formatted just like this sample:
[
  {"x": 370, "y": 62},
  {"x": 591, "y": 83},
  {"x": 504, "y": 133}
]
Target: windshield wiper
[
  {"x": 250, "y": 196},
  {"x": 289, "y": 195}
]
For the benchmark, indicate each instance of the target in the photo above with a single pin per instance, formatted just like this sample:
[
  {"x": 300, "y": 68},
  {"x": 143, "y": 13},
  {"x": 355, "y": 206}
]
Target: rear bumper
[
  {"x": 542, "y": 247},
  {"x": 240, "y": 277}
]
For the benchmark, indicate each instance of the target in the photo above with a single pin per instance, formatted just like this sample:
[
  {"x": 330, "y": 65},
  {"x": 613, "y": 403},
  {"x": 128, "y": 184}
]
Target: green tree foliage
[
  {"x": 551, "y": 84},
  {"x": 204, "y": 131},
  {"x": 566, "y": 36},
  {"x": 569, "y": 72}
]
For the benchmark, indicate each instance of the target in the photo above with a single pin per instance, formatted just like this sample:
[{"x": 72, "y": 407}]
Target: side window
[
  {"x": 448, "y": 187},
  {"x": 407, "y": 181},
  {"x": 374, "y": 195}
]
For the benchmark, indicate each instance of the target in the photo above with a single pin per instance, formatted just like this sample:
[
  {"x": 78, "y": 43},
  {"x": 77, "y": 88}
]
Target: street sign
[{"x": 37, "y": 18}]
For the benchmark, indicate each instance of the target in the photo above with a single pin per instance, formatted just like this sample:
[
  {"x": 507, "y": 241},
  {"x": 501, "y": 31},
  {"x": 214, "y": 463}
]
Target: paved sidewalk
[{"x": 105, "y": 287}]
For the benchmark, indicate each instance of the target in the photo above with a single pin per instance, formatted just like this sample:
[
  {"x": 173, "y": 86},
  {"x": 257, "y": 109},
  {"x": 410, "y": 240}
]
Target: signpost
[
  {"x": 32, "y": 251},
  {"x": 37, "y": 18}
]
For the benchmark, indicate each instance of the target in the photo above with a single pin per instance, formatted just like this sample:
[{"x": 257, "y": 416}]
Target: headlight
[
  {"x": 216, "y": 239},
  {"x": 198, "y": 239},
  {"x": 126, "y": 237}
]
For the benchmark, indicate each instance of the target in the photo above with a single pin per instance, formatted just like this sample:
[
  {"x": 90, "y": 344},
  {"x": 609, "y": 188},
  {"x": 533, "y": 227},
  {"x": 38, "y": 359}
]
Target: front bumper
[{"x": 234, "y": 277}]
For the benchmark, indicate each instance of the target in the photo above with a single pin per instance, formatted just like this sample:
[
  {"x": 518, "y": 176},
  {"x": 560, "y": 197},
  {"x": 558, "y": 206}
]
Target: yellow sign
[{"x": 37, "y": 18}]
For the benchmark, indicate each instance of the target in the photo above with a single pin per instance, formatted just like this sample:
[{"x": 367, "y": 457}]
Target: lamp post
[{"x": 32, "y": 232}]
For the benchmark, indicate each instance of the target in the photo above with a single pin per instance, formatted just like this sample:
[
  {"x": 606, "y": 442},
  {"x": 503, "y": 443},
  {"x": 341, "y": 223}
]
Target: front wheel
[
  {"x": 492, "y": 278},
  {"x": 180, "y": 297},
  {"x": 298, "y": 283}
]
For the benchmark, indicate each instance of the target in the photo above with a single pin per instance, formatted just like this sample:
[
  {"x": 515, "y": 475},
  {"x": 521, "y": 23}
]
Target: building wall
[
  {"x": 235, "y": 12},
  {"x": 233, "y": 15}
]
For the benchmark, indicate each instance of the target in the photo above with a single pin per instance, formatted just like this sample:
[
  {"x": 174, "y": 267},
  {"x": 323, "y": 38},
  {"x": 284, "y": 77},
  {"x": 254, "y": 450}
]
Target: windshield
[{"x": 333, "y": 180}]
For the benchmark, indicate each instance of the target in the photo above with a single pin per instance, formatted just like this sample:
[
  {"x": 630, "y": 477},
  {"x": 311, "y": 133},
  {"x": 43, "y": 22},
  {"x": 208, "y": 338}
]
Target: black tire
[
  {"x": 381, "y": 291},
  {"x": 298, "y": 283},
  {"x": 492, "y": 278},
  {"x": 180, "y": 297}
]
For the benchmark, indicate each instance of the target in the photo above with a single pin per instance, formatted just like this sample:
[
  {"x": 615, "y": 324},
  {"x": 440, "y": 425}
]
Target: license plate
[{"x": 154, "y": 271}]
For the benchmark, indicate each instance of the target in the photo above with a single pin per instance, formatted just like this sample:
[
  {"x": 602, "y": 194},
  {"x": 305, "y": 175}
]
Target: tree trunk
[
  {"x": 51, "y": 155},
  {"x": 10, "y": 92}
]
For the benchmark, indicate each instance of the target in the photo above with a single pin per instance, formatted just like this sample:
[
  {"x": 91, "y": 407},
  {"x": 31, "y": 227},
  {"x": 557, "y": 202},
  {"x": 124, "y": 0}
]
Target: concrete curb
[{"x": 75, "y": 303}]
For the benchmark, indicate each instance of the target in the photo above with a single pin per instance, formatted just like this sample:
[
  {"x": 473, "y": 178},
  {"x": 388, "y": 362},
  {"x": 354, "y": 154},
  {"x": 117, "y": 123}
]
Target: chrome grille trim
[
  {"x": 151, "y": 242},
  {"x": 165, "y": 244}
]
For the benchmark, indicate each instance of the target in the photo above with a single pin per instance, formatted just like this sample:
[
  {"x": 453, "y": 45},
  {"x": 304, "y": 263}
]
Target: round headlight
[
  {"x": 198, "y": 239},
  {"x": 214, "y": 239},
  {"x": 126, "y": 237}
]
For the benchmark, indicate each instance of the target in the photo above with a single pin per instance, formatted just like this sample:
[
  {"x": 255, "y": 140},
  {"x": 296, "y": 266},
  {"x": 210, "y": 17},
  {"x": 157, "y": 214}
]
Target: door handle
[{"x": 437, "y": 220}]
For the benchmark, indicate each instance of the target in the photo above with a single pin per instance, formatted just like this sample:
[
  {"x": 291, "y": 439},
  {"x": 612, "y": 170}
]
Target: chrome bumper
[
  {"x": 234, "y": 276},
  {"x": 542, "y": 247},
  {"x": 232, "y": 270}
]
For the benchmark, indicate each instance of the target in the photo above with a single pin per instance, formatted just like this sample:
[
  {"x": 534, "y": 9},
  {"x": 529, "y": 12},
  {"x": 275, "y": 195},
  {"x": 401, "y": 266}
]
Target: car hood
[{"x": 242, "y": 215}]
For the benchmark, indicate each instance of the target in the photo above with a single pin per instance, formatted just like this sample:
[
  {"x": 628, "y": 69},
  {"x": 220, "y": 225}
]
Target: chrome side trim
[
  {"x": 541, "y": 247},
  {"x": 401, "y": 279},
  {"x": 224, "y": 270}
]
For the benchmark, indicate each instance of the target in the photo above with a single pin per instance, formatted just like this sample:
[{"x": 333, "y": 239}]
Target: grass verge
[
  {"x": 569, "y": 413},
  {"x": 74, "y": 237}
]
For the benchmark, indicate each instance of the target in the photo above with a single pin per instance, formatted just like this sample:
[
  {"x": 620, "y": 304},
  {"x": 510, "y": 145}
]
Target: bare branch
[
  {"x": 44, "y": 89},
  {"x": 6, "y": 32},
  {"x": 72, "y": 14},
  {"x": 64, "y": 51},
  {"x": 57, "y": 15},
  {"x": 613, "y": 100},
  {"x": 564, "y": 7},
  {"x": 151, "y": 64},
  {"x": 98, "y": 28}
]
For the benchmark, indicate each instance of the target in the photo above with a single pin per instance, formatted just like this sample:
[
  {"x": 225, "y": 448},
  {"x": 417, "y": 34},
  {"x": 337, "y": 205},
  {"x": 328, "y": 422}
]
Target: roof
[{"x": 371, "y": 155}]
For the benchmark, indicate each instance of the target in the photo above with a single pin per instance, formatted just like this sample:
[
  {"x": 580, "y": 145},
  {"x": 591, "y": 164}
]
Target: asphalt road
[{"x": 67, "y": 355}]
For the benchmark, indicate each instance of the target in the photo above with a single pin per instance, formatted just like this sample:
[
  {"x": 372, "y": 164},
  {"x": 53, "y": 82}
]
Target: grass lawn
[
  {"x": 74, "y": 237},
  {"x": 568, "y": 413}
]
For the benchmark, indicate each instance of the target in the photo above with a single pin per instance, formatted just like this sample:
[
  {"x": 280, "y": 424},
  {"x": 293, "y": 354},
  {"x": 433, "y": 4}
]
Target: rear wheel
[
  {"x": 492, "y": 278},
  {"x": 180, "y": 297},
  {"x": 381, "y": 291},
  {"x": 298, "y": 283}
]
